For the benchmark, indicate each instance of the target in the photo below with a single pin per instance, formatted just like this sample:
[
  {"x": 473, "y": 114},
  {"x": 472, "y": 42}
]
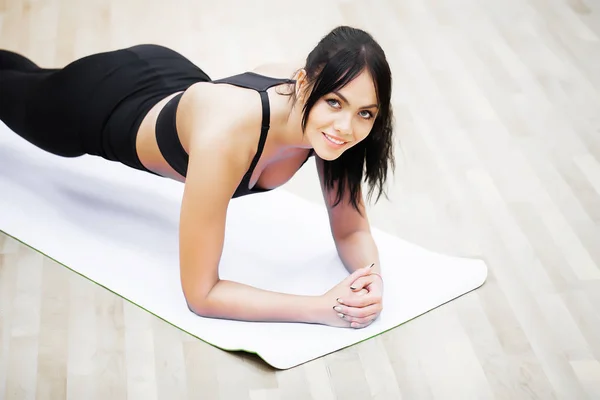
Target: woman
[{"x": 150, "y": 108}]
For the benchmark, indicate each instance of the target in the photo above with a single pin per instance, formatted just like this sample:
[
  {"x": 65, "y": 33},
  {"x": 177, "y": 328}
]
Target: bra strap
[{"x": 265, "y": 126}]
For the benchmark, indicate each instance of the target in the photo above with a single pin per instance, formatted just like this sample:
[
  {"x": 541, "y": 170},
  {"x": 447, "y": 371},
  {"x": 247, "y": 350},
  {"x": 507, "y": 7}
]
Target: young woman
[{"x": 150, "y": 108}]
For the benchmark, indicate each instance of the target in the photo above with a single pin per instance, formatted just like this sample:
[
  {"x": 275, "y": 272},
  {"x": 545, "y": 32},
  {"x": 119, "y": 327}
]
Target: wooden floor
[{"x": 498, "y": 124}]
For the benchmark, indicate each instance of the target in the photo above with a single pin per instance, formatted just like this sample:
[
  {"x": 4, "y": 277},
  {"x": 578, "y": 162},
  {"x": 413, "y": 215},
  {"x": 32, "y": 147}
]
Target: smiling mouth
[{"x": 334, "y": 140}]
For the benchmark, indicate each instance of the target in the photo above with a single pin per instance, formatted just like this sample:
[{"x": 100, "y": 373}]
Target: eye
[
  {"x": 366, "y": 114},
  {"x": 333, "y": 103}
]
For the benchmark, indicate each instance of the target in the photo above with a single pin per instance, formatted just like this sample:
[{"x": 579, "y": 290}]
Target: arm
[
  {"x": 351, "y": 230},
  {"x": 214, "y": 171},
  {"x": 357, "y": 249}
]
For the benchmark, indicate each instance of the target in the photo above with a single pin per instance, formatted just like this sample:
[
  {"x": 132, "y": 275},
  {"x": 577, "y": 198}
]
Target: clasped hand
[{"x": 356, "y": 301}]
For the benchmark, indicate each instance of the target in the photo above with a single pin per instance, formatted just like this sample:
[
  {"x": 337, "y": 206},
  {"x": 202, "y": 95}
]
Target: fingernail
[
  {"x": 337, "y": 308},
  {"x": 371, "y": 266},
  {"x": 352, "y": 287},
  {"x": 340, "y": 301},
  {"x": 341, "y": 315}
]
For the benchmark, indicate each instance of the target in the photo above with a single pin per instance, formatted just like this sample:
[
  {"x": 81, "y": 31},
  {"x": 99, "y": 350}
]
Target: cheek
[
  {"x": 362, "y": 130},
  {"x": 319, "y": 116}
]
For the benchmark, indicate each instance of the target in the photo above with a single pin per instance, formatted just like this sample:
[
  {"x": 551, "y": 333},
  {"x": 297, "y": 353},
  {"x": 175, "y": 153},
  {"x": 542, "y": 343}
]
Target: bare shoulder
[{"x": 222, "y": 118}]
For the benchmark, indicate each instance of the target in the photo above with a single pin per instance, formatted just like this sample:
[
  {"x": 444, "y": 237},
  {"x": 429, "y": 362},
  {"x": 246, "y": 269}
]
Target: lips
[{"x": 334, "y": 140}]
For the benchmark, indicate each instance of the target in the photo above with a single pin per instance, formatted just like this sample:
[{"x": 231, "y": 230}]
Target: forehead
[{"x": 360, "y": 90}]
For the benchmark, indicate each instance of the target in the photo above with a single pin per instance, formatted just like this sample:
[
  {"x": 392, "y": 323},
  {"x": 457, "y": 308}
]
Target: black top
[{"x": 176, "y": 156}]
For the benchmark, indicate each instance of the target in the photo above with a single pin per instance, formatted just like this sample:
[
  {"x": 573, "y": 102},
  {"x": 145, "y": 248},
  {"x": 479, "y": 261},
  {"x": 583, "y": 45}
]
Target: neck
[{"x": 286, "y": 124}]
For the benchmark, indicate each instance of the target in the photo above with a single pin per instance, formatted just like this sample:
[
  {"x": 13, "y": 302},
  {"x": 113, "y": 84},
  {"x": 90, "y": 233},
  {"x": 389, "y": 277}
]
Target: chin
[{"x": 326, "y": 155}]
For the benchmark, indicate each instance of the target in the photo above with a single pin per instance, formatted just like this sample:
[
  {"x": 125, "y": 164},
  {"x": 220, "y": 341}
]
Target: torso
[{"x": 275, "y": 167}]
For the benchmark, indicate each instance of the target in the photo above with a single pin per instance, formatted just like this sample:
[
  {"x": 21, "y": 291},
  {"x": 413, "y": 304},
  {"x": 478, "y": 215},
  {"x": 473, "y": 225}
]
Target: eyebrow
[{"x": 347, "y": 102}]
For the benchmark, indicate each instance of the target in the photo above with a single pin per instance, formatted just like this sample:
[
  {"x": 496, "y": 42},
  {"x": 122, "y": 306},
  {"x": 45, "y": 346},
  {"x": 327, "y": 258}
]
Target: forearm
[
  {"x": 237, "y": 301},
  {"x": 358, "y": 250}
]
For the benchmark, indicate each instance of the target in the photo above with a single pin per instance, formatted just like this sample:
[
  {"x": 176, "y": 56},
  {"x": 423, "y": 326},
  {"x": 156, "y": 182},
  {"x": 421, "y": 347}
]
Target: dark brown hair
[{"x": 338, "y": 58}]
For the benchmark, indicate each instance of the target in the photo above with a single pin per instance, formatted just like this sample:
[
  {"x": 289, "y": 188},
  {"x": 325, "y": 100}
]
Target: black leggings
[{"x": 93, "y": 105}]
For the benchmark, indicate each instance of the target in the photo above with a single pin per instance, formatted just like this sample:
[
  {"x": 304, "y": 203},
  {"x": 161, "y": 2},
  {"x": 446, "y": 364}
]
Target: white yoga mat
[{"x": 119, "y": 228}]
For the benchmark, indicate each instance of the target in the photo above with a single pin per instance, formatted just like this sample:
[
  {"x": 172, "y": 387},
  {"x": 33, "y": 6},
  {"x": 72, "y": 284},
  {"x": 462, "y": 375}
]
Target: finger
[
  {"x": 358, "y": 322},
  {"x": 362, "y": 282},
  {"x": 360, "y": 301},
  {"x": 365, "y": 320},
  {"x": 357, "y": 274},
  {"x": 352, "y": 312},
  {"x": 358, "y": 325}
]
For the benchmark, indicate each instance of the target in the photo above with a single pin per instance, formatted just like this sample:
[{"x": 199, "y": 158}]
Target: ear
[{"x": 301, "y": 83}]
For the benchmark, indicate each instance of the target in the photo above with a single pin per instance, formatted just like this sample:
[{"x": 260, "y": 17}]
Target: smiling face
[{"x": 343, "y": 118}]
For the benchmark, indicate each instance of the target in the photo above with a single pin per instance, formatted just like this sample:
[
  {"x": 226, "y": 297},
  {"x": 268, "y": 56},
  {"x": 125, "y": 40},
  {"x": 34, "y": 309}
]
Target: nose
[{"x": 343, "y": 125}]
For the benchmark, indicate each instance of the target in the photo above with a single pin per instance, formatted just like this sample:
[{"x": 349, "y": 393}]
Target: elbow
[
  {"x": 203, "y": 303},
  {"x": 198, "y": 303},
  {"x": 197, "y": 297},
  {"x": 200, "y": 307}
]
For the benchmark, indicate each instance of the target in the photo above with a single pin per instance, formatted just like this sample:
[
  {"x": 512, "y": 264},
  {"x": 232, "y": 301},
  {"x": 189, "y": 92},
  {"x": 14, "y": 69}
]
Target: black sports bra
[{"x": 176, "y": 156}]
